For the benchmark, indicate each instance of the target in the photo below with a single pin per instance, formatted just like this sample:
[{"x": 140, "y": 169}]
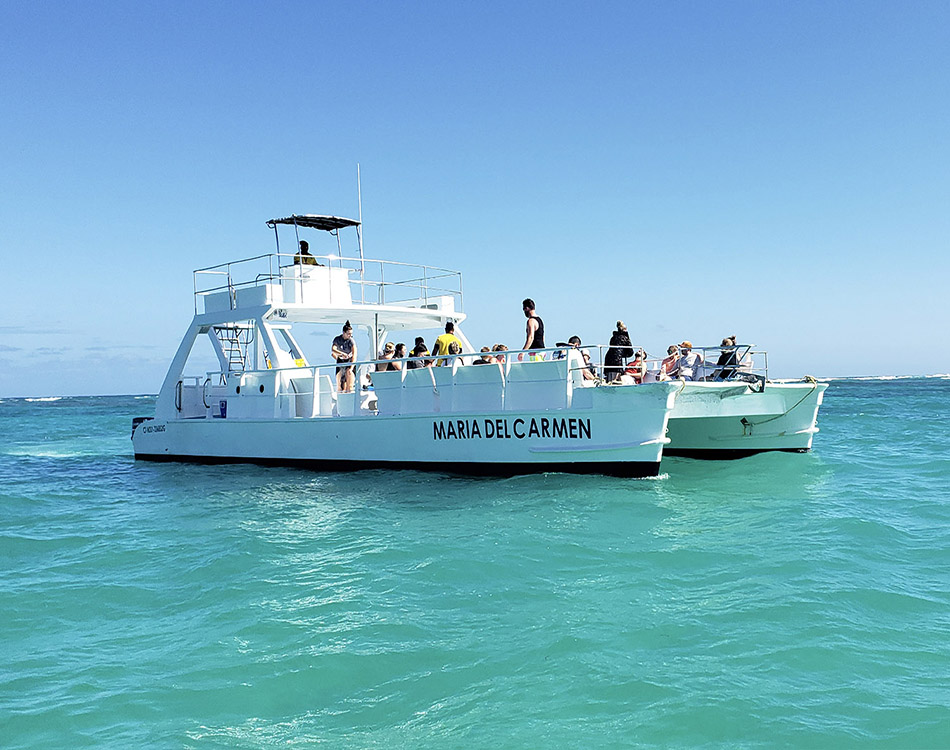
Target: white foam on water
[
  {"x": 45, "y": 398},
  {"x": 885, "y": 377},
  {"x": 48, "y": 453}
]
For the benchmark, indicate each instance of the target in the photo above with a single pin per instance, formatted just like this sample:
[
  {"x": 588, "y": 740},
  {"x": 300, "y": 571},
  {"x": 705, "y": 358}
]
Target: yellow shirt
[{"x": 441, "y": 346}]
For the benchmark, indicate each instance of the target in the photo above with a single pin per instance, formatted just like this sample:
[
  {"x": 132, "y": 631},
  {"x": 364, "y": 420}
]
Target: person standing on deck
[
  {"x": 534, "y": 330},
  {"x": 620, "y": 349},
  {"x": 343, "y": 350},
  {"x": 443, "y": 342}
]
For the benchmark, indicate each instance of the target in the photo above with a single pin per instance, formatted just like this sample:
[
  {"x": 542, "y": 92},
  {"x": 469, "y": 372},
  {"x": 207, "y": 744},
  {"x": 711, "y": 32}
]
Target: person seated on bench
[
  {"x": 419, "y": 350},
  {"x": 689, "y": 365},
  {"x": 454, "y": 350},
  {"x": 486, "y": 358},
  {"x": 728, "y": 363},
  {"x": 398, "y": 356},
  {"x": 635, "y": 370},
  {"x": 385, "y": 357}
]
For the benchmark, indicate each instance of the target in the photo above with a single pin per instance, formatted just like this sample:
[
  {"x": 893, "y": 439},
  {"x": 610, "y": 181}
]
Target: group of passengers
[
  {"x": 683, "y": 363},
  {"x": 393, "y": 357},
  {"x": 445, "y": 351},
  {"x": 622, "y": 364}
]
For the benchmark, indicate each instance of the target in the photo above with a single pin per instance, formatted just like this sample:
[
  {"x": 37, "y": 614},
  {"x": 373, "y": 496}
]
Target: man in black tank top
[{"x": 534, "y": 330}]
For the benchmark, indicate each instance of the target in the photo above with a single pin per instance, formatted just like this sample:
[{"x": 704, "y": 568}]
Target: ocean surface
[{"x": 776, "y": 601}]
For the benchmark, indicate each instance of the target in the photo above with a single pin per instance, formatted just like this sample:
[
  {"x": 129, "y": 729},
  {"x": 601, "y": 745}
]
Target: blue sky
[{"x": 774, "y": 170}]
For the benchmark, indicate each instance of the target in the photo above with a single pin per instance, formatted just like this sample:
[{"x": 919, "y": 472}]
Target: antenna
[{"x": 359, "y": 229}]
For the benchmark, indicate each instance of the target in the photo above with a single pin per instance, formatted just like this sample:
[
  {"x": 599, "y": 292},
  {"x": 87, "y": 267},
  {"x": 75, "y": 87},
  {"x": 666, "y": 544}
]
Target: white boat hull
[
  {"x": 606, "y": 431},
  {"x": 731, "y": 420}
]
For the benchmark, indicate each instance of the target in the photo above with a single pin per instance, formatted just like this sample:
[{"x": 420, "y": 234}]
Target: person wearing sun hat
[{"x": 689, "y": 365}]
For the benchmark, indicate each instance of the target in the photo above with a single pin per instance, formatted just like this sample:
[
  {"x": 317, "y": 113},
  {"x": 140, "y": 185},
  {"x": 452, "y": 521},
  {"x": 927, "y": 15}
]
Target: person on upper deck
[
  {"x": 444, "y": 342},
  {"x": 499, "y": 350},
  {"x": 534, "y": 330},
  {"x": 620, "y": 349},
  {"x": 303, "y": 257},
  {"x": 689, "y": 365},
  {"x": 343, "y": 350}
]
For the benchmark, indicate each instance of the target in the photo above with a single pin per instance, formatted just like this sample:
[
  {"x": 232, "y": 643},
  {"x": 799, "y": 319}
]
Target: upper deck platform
[{"x": 354, "y": 287}]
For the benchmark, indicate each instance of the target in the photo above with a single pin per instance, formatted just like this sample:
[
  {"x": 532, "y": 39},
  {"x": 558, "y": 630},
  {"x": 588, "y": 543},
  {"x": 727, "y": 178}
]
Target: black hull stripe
[{"x": 631, "y": 469}]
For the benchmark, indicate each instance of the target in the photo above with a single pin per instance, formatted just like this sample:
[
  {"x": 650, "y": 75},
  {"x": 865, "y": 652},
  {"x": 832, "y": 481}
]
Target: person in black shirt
[
  {"x": 534, "y": 330},
  {"x": 486, "y": 358},
  {"x": 620, "y": 349},
  {"x": 728, "y": 362},
  {"x": 419, "y": 350}
]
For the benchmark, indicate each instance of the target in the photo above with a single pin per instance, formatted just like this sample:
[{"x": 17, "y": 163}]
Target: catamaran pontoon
[{"x": 738, "y": 411}]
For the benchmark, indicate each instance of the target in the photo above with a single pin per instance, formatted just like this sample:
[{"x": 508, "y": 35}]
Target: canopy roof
[{"x": 312, "y": 221}]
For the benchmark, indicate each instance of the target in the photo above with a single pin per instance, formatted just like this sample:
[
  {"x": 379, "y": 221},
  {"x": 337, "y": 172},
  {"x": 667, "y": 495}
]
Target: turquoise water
[{"x": 779, "y": 600}]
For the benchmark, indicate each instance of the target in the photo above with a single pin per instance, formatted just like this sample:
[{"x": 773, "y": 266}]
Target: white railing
[
  {"x": 382, "y": 282},
  {"x": 747, "y": 365},
  {"x": 290, "y": 383}
]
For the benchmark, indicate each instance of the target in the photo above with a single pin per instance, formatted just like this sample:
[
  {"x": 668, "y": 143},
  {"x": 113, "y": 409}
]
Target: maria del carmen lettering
[{"x": 519, "y": 429}]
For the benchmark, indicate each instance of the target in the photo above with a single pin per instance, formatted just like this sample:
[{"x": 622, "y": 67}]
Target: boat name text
[{"x": 543, "y": 427}]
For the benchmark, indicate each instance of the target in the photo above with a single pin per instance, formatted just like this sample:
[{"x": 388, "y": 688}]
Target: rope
[{"x": 807, "y": 379}]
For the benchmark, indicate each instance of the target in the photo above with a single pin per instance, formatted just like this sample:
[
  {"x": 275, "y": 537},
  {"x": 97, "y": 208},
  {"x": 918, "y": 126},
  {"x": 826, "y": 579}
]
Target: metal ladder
[{"x": 235, "y": 342}]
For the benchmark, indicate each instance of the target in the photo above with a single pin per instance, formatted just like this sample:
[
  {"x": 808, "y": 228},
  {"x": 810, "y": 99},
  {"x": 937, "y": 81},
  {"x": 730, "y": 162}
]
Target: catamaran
[{"x": 265, "y": 401}]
